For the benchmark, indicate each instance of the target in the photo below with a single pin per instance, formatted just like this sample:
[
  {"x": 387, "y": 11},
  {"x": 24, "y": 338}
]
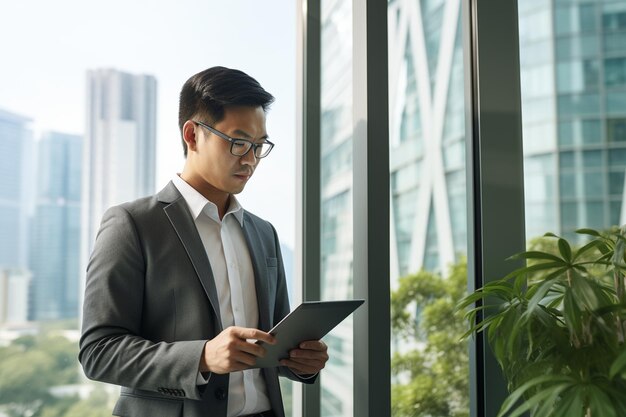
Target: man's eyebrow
[{"x": 245, "y": 135}]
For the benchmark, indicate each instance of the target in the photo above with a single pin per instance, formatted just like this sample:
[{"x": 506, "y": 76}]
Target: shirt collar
[{"x": 197, "y": 203}]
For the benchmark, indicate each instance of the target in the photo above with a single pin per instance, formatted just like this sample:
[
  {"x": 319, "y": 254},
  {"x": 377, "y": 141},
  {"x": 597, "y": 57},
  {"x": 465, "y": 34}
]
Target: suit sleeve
[
  {"x": 111, "y": 349},
  {"x": 282, "y": 309}
]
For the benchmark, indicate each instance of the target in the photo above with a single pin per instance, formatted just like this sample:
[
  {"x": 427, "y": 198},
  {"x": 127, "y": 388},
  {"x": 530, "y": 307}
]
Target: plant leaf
[
  {"x": 538, "y": 296},
  {"x": 588, "y": 232},
  {"x": 618, "y": 365},
  {"x": 536, "y": 255},
  {"x": 600, "y": 403},
  {"x": 565, "y": 250}
]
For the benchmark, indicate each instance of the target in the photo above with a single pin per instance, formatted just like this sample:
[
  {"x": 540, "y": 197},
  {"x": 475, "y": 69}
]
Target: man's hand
[
  {"x": 230, "y": 351},
  {"x": 309, "y": 358}
]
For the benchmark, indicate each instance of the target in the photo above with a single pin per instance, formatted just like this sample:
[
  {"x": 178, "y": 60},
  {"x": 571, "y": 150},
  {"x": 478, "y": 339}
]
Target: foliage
[
  {"x": 556, "y": 327},
  {"x": 430, "y": 378},
  {"x": 30, "y": 366}
]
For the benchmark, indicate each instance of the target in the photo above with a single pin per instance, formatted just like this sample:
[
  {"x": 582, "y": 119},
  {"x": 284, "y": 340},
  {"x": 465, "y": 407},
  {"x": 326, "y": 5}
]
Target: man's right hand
[{"x": 230, "y": 350}]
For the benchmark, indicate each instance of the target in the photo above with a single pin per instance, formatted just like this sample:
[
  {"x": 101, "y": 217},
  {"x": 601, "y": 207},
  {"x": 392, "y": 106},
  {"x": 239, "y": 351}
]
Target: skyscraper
[
  {"x": 15, "y": 176},
  {"x": 14, "y": 292},
  {"x": 573, "y": 81},
  {"x": 119, "y": 152},
  {"x": 55, "y": 228}
]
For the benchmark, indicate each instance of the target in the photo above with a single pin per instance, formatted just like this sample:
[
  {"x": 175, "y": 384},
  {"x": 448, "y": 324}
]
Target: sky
[{"x": 47, "y": 47}]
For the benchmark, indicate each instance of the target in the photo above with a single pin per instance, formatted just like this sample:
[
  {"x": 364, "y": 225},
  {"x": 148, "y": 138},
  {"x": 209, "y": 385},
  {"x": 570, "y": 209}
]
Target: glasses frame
[{"x": 232, "y": 141}]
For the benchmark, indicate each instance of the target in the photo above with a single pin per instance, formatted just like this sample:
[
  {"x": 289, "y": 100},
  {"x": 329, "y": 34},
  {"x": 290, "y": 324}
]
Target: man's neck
[{"x": 215, "y": 196}]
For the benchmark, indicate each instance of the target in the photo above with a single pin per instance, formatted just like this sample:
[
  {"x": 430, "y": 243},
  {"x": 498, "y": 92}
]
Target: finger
[
  {"x": 247, "y": 333},
  {"x": 251, "y": 348},
  {"x": 314, "y": 345},
  {"x": 301, "y": 368},
  {"x": 308, "y": 354}
]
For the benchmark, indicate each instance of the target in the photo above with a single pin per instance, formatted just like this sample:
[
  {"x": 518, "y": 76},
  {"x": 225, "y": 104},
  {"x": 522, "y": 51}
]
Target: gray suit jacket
[{"x": 151, "y": 304}]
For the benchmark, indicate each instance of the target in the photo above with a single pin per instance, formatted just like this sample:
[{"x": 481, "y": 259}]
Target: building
[
  {"x": 573, "y": 79},
  {"x": 14, "y": 292},
  {"x": 573, "y": 82},
  {"x": 55, "y": 228},
  {"x": 119, "y": 152},
  {"x": 15, "y": 180}
]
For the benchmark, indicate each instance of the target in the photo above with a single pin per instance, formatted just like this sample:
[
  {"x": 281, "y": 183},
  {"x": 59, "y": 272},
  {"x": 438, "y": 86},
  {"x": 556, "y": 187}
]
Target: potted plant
[{"x": 557, "y": 327}]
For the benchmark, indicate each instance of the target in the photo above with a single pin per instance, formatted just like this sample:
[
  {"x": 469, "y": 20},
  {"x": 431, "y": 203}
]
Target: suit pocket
[
  {"x": 271, "y": 262},
  {"x": 129, "y": 405}
]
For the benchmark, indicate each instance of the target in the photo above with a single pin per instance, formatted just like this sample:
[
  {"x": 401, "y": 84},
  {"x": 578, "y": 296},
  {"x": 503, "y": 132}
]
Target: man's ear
[{"x": 189, "y": 135}]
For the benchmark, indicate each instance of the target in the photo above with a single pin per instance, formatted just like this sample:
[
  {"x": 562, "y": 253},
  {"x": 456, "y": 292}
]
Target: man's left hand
[{"x": 309, "y": 358}]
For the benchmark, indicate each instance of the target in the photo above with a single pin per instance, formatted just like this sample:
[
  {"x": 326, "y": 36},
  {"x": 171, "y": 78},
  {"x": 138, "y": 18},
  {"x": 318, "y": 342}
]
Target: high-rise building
[
  {"x": 573, "y": 79},
  {"x": 15, "y": 176},
  {"x": 55, "y": 228},
  {"x": 119, "y": 153},
  {"x": 573, "y": 74},
  {"x": 14, "y": 293}
]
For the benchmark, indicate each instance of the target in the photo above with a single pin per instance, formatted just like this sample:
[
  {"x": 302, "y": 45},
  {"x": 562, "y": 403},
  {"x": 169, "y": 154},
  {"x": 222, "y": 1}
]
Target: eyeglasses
[{"x": 240, "y": 147}]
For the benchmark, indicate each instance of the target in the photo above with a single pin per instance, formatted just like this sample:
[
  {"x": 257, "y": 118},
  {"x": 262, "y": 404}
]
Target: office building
[
  {"x": 55, "y": 228},
  {"x": 573, "y": 82},
  {"x": 14, "y": 291},
  {"x": 119, "y": 151},
  {"x": 15, "y": 179}
]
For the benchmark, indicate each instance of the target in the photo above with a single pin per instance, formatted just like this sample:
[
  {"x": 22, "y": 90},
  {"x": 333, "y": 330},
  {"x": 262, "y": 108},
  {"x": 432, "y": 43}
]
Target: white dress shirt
[{"x": 228, "y": 254}]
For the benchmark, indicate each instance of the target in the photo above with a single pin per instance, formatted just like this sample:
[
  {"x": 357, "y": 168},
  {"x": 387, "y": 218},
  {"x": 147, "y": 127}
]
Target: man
[{"x": 180, "y": 284}]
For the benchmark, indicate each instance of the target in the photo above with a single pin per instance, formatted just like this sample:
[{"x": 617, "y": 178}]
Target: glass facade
[
  {"x": 577, "y": 180},
  {"x": 15, "y": 172},
  {"x": 336, "y": 197},
  {"x": 55, "y": 229}
]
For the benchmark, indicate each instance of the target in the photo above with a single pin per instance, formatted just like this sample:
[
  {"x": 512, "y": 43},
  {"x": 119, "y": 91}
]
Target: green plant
[
  {"x": 556, "y": 326},
  {"x": 429, "y": 372}
]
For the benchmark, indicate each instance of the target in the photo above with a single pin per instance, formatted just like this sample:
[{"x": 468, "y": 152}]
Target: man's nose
[{"x": 249, "y": 158}]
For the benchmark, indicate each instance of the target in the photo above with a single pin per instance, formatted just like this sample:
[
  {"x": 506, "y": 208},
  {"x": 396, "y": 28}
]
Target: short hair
[{"x": 210, "y": 92}]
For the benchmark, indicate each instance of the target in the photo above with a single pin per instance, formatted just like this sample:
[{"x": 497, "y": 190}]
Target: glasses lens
[
  {"x": 263, "y": 150},
  {"x": 239, "y": 147}
]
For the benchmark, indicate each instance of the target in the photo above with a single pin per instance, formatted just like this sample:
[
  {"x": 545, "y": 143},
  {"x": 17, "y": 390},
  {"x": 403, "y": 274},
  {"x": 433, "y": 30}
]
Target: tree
[
  {"x": 431, "y": 375},
  {"x": 30, "y": 366}
]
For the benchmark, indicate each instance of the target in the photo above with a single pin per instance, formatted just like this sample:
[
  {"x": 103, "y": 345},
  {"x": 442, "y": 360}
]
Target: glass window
[
  {"x": 595, "y": 215},
  {"x": 428, "y": 191},
  {"x": 615, "y": 212},
  {"x": 578, "y": 131},
  {"x": 568, "y": 185},
  {"x": 569, "y": 215},
  {"x": 617, "y": 157},
  {"x": 575, "y": 19},
  {"x": 336, "y": 196},
  {"x": 616, "y": 183},
  {"x": 593, "y": 184},
  {"x": 614, "y": 16},
  {"x": 615, "y": 72},
  {"x": 616, "y": 102},
  {"x": 592, "y": 159},
  {"x": 578, "y": 104},
  {"x": 566, "y": 160},
  {"x": 577, "y": 76},
  {"x": 584, "y": 46},
  {"x": 616, "y": 130}
]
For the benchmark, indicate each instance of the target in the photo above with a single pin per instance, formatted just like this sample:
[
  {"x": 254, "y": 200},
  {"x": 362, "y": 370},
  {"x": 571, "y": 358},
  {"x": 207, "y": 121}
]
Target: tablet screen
[{"x": 311, "y": 320}]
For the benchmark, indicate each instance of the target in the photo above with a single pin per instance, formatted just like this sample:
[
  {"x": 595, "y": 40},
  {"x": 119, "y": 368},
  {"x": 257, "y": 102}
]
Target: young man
[{"x": 178, "y": 283}]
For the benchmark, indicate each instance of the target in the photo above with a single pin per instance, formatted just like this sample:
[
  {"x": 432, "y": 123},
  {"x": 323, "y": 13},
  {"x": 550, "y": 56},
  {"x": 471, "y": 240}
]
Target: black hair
[{"x": 211, "y": 91}]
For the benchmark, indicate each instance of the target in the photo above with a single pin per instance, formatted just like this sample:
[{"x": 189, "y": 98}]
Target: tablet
[{"x": 311, "y": 320}]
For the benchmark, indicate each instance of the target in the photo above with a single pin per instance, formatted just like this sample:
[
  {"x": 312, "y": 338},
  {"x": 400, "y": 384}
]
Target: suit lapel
[
  {"x": 178, "y": 214},
  {"x": 260, "y": 272}
]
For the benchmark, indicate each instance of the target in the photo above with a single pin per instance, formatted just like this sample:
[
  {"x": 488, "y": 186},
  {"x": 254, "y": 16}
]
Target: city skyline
[{"x": 196, "y": 38}]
